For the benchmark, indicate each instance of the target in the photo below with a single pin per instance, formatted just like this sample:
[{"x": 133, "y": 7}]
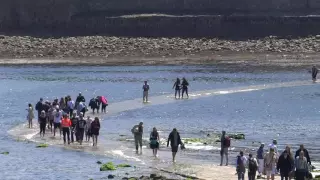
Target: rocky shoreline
[{"x": 132, "y": 51}]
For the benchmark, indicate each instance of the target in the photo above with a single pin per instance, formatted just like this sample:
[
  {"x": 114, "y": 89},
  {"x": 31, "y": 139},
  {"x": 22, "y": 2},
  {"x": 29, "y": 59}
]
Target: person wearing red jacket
[{"x": 66, "y": 124}]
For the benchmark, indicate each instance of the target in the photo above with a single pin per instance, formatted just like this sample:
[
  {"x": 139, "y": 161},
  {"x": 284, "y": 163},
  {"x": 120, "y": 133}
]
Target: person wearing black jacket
[
  {"x": 306, "y": 153},
  {"x": 74, "y": 122},
  {"x": 175, "y": 141},
  {"x": 285, "y": 165},
  {"x": 39, "y": 107}
]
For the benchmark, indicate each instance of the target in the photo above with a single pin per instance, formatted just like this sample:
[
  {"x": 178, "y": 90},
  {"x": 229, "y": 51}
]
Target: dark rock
[
  {"x": 153, "y": 175},
  {"x": 99, "y": 162},
  {"x": 110, "y": 176},
  {"x": 127, "y": 174},
  {"x": 144, "y": 178}
]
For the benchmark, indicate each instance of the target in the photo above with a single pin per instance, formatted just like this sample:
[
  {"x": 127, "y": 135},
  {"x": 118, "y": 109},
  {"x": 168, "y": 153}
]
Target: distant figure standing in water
[
  {"x": 42, "y": 122},
  {"x": 39, "y": 106},
  {"x": 104, "y": 103},
  {"x": 80, "y": 127},
  {"x": 175, "y": 141},
  {"x": 225, "y": 144},
  {"x": 95, "y": 128},
  {"x": 79, "y": 99},
  {"x": 66, "y": 124},
  {"x": 145, "y": 88},
  {"x": 30, "y": 115},
  {"x": 185, "y": 85},
  {"x": 177, "y": 86},
  {"x": 87, "y": 128},
  {"x": 137, "y": 131},
  {"x": 260, "y": 157},
  {"x": 314, "y": 73},
  {"x": 154, "y": 141}
]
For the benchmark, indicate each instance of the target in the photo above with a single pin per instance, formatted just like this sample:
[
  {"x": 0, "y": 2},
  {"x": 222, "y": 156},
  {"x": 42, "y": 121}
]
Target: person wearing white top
[
  {"x": 57, "y": 120},
  {"x": 71, "y": 106}
]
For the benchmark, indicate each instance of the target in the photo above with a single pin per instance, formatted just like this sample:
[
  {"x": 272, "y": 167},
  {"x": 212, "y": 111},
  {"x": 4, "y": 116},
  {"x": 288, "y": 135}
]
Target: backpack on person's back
[
  {"x": 240, "y": 165},
  {"x": 227, "y": 142},
  {"x": 253, "y": 167}
]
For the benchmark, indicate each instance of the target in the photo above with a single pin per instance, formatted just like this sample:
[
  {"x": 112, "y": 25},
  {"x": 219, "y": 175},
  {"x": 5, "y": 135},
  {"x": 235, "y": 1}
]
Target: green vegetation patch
[
  {"x": 108, "y": 167},
  {"x": 42, "y": 145}
]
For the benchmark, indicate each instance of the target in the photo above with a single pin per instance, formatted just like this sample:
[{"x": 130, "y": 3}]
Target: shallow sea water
[{"x": 289, "y": 114}]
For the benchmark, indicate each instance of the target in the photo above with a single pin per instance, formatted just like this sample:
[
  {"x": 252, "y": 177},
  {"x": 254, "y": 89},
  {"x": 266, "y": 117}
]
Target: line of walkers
[
  {"x": 271, "y": 162},
  {"x": 174, "y": 140},
  {"x": 68, "y": 117}
]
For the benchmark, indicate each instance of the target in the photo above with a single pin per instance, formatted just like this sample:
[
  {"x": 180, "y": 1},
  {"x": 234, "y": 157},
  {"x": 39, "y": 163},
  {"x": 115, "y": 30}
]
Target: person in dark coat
[
  {"x": 39, "y": 107},
  {"x": 94, "y": 104},
  {"x": 285, "y": 165},
  {"x": 175, "y": 141},
  {"x": 177, "y": 87},
  {"x": 314, "y": 72},
  {"x": 95, "y": 128},
  {"x": 306, "y": 153},
  {"x": 185, "y": 85}
]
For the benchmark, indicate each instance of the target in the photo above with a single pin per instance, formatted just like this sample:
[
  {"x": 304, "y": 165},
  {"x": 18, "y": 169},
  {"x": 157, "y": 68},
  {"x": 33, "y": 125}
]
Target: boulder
[
  {"x": 99, "y": 162},
  {"x": 110, "y": 176},
  {"x": 144, "y": 178}
]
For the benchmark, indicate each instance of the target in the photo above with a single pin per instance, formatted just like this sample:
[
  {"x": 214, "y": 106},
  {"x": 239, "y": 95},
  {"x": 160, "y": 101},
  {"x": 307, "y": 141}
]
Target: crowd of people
[
  {"x": 270, "y": 163},
  {"x": 68, "y": 117}
]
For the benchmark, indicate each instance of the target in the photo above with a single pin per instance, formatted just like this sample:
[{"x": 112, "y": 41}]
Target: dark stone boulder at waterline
[
  {"x": 110, "y": 176},
  {"x": 144, "y": 178}
]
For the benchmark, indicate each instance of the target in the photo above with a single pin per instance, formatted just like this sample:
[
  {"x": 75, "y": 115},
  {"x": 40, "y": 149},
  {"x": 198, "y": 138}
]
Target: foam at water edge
[{"x": 121, "y": 154}]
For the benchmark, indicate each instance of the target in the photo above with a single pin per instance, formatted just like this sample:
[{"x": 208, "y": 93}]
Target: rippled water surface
[{"x": 289, "y": 114}]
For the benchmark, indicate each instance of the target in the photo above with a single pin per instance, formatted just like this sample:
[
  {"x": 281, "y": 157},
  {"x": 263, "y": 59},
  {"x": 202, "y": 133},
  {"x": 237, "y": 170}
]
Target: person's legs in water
[
  {"x": 43, "y": 129},
  {"x": 72, "y": 135},
  {"x": 88, "y": 136},
  {"x": 30, "y": 122},
  {"x": 81, "y": 133},
  {"x": 183, "y": 90},
  {"x": 221, "y": 157},
  {"x": 144, "y": 96},
  {"x": 68, "y": 134},
  {"x": 226, "y": 153},
  {"x": 187, "y": 93},
  {"x": 174, "y": 153},
  {"x": 140, "y": 143},
  {"x": 64, "y": 134},
  {"x": 95, "y": 138},
  {"x": 136, "y": 143},
  {"x": 40, "y": 129},
  {"x": 175, "y": 94}
]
